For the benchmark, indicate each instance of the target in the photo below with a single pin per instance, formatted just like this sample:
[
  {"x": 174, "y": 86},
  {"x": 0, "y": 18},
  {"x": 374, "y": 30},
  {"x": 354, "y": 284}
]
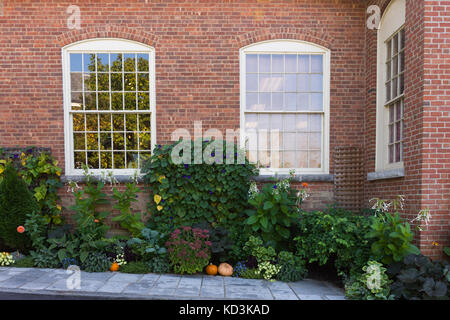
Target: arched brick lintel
[
  {"x": 284, "y": 33},
  {"x": 107, "y": 31}
]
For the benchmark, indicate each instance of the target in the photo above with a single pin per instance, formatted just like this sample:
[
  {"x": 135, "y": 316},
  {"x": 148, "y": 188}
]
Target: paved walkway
[{"x": 166, "y": 286}]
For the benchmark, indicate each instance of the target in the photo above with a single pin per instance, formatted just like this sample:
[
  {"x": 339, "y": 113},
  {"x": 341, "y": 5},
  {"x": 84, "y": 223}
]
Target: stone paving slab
[{"x": 164, "y": 286}]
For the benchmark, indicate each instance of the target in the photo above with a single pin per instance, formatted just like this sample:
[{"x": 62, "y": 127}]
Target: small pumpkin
[
  {"x": 225, "y": 269},
  {"x": 211, "y": 270},
  {"x": 114, "y": 267}
]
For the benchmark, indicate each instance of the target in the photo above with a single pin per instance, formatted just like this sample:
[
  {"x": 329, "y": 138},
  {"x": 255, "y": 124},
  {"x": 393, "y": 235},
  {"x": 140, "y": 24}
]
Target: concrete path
[{"x": 154, "y": 286}]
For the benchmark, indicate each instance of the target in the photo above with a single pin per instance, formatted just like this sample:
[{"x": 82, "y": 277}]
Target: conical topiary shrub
[{"x": 16, "y": 201}]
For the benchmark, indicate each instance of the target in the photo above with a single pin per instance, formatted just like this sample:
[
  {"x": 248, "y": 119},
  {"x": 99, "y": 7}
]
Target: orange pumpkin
[
  {"x": 225, "y": 269},
  {"x": 211, "y": 270},
  {"x": 114, "y": 267}
]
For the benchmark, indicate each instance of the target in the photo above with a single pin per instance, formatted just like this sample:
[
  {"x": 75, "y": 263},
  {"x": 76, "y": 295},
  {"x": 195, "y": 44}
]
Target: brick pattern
[
  {"x": 426, "y": 181},
  {"x": 197, "y": 77}
]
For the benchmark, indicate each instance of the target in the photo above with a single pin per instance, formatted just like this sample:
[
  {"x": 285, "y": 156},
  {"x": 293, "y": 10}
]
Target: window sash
[
  {"x": 117, "y": 47},
  {"x": 323, "y": 113}
]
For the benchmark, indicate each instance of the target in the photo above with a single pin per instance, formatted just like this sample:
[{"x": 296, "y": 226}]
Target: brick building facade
[{"x": 198, "y": 77}]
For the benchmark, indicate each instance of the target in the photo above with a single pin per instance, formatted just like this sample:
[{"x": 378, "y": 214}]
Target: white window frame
[
  {"x": 392, "y": 21},
  {"x": 288, "y": 46},
  {"x": 102, "y": 45}
]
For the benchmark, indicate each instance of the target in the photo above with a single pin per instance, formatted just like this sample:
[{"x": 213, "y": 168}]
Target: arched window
[
  {"x": 109, "y": 104},
  {"x": 285, "y": 90},
  {"x": 390, "y": 87}
]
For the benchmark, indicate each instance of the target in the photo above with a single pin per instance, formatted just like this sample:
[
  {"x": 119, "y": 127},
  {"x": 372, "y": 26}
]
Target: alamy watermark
[
  {"x": 373, "y": 22},
  {"x": 74, "y": 19},
  {"x": 73, "y": 282}
]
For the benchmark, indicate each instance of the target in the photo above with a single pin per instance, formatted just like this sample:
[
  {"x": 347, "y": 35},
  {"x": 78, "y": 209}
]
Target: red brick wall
[
  {"x": 197, "y": 77},
  {"x": 197, "y": 60},
  {"x": 426, "y": 129},
  {"x": 436, "y": 124}
]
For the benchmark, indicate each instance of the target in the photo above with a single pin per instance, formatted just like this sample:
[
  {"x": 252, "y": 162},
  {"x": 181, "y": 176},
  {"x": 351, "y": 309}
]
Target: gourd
[
  {"x": 114, "y": 267},
  {"x": 211, "y": 270},
  {"x": 225, "y": 269}
]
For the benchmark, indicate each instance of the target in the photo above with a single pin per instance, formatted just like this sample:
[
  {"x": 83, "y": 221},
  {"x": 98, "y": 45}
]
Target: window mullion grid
[
  {"x": 110, "y": 109},
  {"x": 136, "y": 105}
]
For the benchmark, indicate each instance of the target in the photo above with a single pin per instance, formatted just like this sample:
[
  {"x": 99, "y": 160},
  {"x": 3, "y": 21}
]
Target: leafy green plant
[
  {"x": 159, "y": 265},
  {"x": 189, "y": 250},
  {"x": 447, "y": 251},
  {"x": 96, "y": 262},
  {"x": 138, "y": 267},
  {"x": 250, "y": 273},
  {"x": 45, "y": 258},
  {"x": 26, "y": 262},
  {"x": 87, "y": 202},
  {"x": 16, "y": 201},
  {"x": 128, "y": 219},
  {"x": 149, "y": 245},
  {"x": 393, "y": 238},
  {"x": 274, "y": 210},
  {"x": 372, "y": 284},
  {"x": 416, "y": 277},
  {"x": 265, "y": 256},
  {"x": 292, "y": 268},
  {"x": 41, "y": 173},
  {"x": 184, "y": 194},
  {"x": 255, "y": 247},
  {"x": 335, "y": 234}
]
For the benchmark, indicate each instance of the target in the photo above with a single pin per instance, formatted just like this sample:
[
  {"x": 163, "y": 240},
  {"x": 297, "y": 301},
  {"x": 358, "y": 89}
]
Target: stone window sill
[
  {"x": 386, "y": 174},
  {"x": 297, "y": 178}
]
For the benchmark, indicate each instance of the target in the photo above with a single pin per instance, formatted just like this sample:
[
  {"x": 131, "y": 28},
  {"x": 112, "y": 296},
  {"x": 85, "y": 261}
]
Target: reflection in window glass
[{"x": 110, "y": 109}]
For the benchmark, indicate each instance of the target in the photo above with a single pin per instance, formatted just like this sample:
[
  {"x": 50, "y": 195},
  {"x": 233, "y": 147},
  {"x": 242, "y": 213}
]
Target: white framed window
[
  {"x": 109, "y": 105},
  {"x": 285, "y": 94},
  {"x": 390, "y": 87}
]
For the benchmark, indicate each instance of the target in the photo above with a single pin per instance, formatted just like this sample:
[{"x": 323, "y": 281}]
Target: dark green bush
[
  {"x": 138, "y": 267},
  {"x": 336, "y": 235},
  {"x": 418, "y": 278},
  {"x": 184, "y": 194},
  {"x": 16, "y": 201},
  {"x": 392, "y": 238},
  {"x": 292, "y": 268},
  {"x": 26, "y": 262},
  {"x": 97, "y": 262},
  {"x": 274, "y": 209}
]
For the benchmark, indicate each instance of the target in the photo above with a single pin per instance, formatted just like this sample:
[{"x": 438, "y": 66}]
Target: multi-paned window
[
  {"x": 110, "y": 113},
  {"x": 390, "y": 87},
  {"x": 284, "y": 105},
  {"x": 395, "y": 87}
]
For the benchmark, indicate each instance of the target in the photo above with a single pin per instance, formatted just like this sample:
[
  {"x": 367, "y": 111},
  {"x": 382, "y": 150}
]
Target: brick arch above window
[
  {"x": 107, "y": 31},
  {"x": 301, "y": 34}
]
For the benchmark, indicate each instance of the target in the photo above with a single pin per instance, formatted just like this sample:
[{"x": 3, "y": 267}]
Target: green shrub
[
  {"x": 96, "y": 262},
  {"x": 26, "y": 262},
  {"x": 265, "y": 256},
  {"x": 275, "y": 208},
  {"x": 337, "y": 235},
  {"x": 128, "y": 219},
  {"x": 45, "y": 258},
  {"x": 16, "y": 201},
  {"x": 39, "y": 170},
  {"x": 159, "y": 265},
  {"x": 393, "y": 238},
  {"x": 292, "y": 268},
  {"x": 138, "y": 267},
  {"x": 149, "y": 245},
  {"x": 184, "y": 194},
  {"x": 372, "y": 284},
  {"x": 418, "y": 278}
]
